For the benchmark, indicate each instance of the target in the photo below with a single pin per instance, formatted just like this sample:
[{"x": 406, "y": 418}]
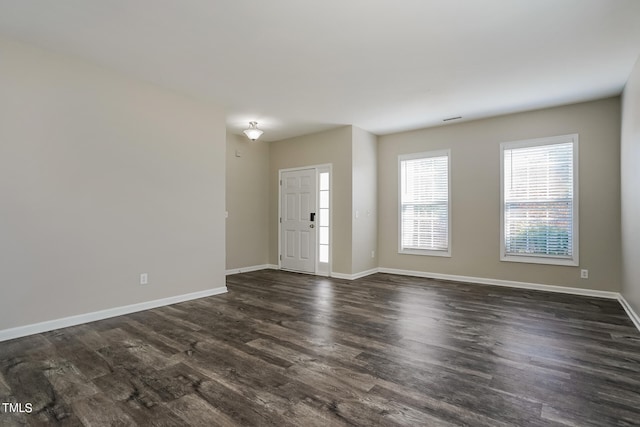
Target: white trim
[
  {"x": 425, "y": 252},
  {"x": 298, "y": 168},
  {"x": 325, "y": 270},
  {"x": 539, "y": 259},
  {"x": 507, "y": 283},
  {"x": 355, "y": 275},
  {"x": 632, "y": 314},
  {"x": 22, "y": 331},
  {"x": 65, "y": 322},
  {"x": 251, "y": 268},
  {"x": 635, "y": 318},
  {"x": 574, "y": 260}
]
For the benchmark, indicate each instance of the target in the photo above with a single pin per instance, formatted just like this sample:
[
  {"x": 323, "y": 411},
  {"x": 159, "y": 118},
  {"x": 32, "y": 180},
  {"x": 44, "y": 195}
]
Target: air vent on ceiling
[{"x": 452, "y": 118}]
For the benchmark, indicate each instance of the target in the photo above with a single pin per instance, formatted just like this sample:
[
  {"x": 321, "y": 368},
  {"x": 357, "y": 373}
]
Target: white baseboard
[
  {"x": 632, "y": 314},
  {"x": 523, "y": 285},
  {"x": 508, "y": 283},
  {"x": 50, "y": 325},
  {"x": 355, "y": 275},
  {"x": 37, "y": 328},
  {"x": 251, "y": 268}
]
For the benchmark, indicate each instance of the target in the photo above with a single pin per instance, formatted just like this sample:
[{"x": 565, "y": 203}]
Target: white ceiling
[{"x": 299, "y": 66}]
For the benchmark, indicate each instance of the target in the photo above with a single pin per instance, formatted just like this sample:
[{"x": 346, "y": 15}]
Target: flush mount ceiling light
[{"x": 253, "y": 132}]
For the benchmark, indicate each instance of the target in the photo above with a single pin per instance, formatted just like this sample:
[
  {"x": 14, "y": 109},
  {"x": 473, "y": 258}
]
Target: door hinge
[
  {"x": 280, "y": 257},
  {"x": 280, "y": 182},
  {"x": 280, "y": 220}
]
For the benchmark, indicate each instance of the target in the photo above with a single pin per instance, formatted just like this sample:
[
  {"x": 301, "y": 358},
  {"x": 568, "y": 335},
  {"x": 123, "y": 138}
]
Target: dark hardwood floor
[{"x": 288, "y": 349}]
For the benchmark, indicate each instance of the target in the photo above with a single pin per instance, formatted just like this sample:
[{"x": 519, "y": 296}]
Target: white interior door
[{"x": 298, "y": 228}]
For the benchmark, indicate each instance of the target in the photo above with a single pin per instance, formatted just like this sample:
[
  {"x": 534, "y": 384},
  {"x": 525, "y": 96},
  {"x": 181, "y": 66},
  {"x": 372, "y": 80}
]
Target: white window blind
[
  {"x": 424, "y": 203},
  {"x": 538, "y": 199}
]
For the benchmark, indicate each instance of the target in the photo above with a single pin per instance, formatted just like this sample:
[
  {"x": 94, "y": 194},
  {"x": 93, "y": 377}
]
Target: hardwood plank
[
  {"x": 157, "y": 415},
  {"x": 198, "y": 413},
  {"x": 101, "y": 411}
]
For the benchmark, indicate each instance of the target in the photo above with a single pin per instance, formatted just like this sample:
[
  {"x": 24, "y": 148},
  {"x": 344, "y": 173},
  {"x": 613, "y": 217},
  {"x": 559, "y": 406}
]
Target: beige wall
[
  {"x": 102, "y": 178},
  {"x": 630, "y": 176},
  {"x": 334, "y": 147},
  {"x": 247, "y": 202},
  {"x": 365, "y": 201},
  {"x": 475, "y": 178}
]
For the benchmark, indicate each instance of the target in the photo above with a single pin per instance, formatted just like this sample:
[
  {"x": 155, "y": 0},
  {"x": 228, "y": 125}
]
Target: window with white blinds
[
  {"x": 539, "y": 201},
  {"x": 424, "y": 203}
]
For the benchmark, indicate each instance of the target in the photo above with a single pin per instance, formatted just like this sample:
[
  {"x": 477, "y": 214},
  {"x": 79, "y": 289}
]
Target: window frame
[
  {"x": 543, "y": 259},
  {"x": 422, "y": 155}
]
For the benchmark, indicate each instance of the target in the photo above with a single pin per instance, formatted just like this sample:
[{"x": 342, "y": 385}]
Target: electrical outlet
[
  {"x": 144, "y": 279},
  {"x": 373, "y": 254},
  {"x": 584, "y": 274}
]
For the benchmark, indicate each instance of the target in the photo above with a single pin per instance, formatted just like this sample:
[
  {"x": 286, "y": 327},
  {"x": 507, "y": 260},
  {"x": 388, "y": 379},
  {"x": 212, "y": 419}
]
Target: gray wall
[
  {"x": 333, "y": 146},
  {"x": 630, "y": 176},
  {"x": 247, "y": 202},
  {"x": 365, "y": 201},
  {"x": 102, "y": 178},
  {"x": 475, "y": 189}
]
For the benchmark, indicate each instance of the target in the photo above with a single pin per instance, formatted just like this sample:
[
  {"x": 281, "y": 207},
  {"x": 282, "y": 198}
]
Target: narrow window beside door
[{"x": 323, "y": 220}]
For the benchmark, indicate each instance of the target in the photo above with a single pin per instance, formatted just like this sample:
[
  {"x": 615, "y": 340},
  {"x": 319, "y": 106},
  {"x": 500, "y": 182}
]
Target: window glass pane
[
  {"x": 324, "y": 199},
  {"x": 538, "y": 200},
  {"x": 324, "y": 253},
  {"x": 324, "y": 217},
  {"x": 324, "y": 235},
  {"x": 425, "y": 203},
  {"x": 324, "y": 180}
]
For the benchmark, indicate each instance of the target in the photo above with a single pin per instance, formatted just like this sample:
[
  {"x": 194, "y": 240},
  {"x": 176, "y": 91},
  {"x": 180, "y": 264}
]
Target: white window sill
[
  {"x": 425, "y": 252},
  {"x": 540, "y": 260}
]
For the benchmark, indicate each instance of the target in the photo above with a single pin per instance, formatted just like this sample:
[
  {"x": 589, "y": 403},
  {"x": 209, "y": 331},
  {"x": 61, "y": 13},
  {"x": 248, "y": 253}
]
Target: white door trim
[{"x": 316, "y": 167}]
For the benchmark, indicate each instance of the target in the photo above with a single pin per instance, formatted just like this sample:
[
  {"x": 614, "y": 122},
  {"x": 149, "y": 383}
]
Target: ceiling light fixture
[{"x": 253, "y": 132}]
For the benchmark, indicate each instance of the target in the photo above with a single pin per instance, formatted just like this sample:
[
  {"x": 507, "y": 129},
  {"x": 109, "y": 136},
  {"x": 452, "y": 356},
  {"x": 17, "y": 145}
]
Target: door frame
[{"x": 317, "y": 168}]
